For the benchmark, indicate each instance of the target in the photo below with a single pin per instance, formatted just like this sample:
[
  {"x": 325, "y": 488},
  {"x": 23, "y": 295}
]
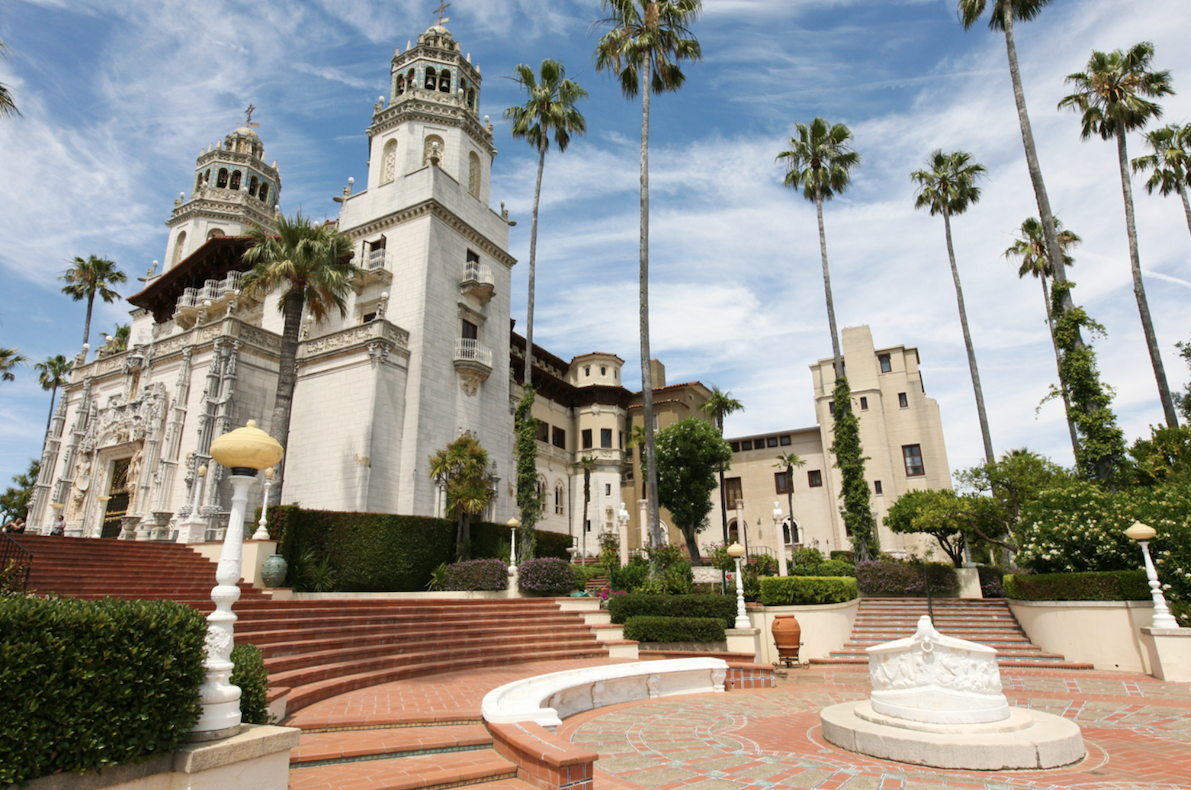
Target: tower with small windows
[{"x": 233, "y": 192}]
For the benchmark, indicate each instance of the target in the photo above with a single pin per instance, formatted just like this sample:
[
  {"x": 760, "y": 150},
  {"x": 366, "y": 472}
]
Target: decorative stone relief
[{"x": 470, "y": 380}]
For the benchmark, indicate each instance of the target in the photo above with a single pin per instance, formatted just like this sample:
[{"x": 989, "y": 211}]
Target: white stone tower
[
  {"x": 437, "y": 270},
  {"x": 234, "y": 191}
]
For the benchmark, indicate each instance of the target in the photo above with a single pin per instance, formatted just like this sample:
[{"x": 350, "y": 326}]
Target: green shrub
[
  {"x": 991, "y": 584},
  {"x": 844, "y": 556},
  {"x": 835, "y": 568},
  {"x": 630, "y": 577},
  {"x": 252, "y": 678},
  {"x": 585, "y": 573},
  {"x": 807, "y": 557},
  {"x": 478, "y": 575},
  {"x": 807, "y": 590},
  {"x": 90, "y": 684},
  {"x": 644, "y": 628},
  {"x": 722, "y": 607},
  {"x": 891, "y": 577},
  {"x": 1106, "y": 586},
  {"x": 546, "y": 576}
]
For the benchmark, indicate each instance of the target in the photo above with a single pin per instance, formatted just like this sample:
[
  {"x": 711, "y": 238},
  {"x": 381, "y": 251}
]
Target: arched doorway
[{"x": 117, "y": 506}]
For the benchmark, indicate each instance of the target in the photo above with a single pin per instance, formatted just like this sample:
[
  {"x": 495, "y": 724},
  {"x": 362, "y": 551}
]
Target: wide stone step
[
  {"x": 426, "y": 772},
  {"x": 289, "y": 642},
  {"x": 330, "y": 747},
  {"x": 351, "y": 619}
]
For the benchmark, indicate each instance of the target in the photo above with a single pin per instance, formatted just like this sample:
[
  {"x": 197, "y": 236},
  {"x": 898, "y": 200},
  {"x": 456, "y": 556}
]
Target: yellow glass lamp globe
[
  {"x": 247, "y": 448},
  {"x": 1140, "y": 531},
  {"x": 736, "y": 551}
]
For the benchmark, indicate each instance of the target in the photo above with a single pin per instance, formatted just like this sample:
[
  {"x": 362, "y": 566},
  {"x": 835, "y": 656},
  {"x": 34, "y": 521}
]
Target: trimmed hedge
[
  {"x": 835, "y": 568},
  {"x": 1102, "y": 586},
  {"x": 643, "y": 628},
  {"x": 477, "y": 575},
  {"x": 383, "y": 552},
  {"x": 885, "y": 577},
  {"x": 804, "y": 590},
  {"x": 721, "y": 607},
  {"x": 546, "y": 576},
  {"x": 844, "y": 556},
  {"x": 253, "y": 680},
  {"x": 87, "y": 684}
]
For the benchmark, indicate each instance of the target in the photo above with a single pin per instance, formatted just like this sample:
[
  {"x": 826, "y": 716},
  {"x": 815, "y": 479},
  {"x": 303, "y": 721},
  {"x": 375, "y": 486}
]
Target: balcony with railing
[
  {"x": 473, "y": 363},
  {"x": 375, "y": 266},
  {"x": 477, "y": 280},
  {"x": 217, "y": 292}
]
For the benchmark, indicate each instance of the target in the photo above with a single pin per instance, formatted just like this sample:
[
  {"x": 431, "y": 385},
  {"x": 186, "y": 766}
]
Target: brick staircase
[
  {"x": 988, "y": 622},
  {"x": 318, "y": 649}
]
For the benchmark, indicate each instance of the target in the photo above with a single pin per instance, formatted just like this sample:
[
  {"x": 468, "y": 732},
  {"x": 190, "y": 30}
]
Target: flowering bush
[
  {"x": 991, "y": 584},
  {"x": 1081, "y": 527},
  {"x": 890, "y": 577},
  {"x": 478, "y": 575},
  {"x": 547, "y": 576}
]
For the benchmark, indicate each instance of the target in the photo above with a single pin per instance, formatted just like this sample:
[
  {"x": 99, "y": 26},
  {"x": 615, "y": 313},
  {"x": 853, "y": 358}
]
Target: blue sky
[{"x": 118, "y": 99}]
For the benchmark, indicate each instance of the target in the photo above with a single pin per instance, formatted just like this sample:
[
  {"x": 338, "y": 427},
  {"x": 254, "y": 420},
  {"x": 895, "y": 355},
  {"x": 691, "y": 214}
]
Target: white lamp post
[
  {"x": 736, "y": 551},
  {"x": 245, "y": 451},
  {"x": 262, "y": 533},
  {"x": 622, "y": 518},
  {"x": 1143, "y": 534},
  {"x": 513, "y": 524},
  {"x": 781, "y": 538}
]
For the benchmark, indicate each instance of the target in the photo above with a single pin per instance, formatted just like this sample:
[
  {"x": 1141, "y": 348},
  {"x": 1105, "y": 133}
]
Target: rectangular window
[
  {"x": 473, "y": 257},
  {"x": 607, "y": 489},
  {"x": 620, "y": 440},
  {"x": 814, "y": 478},
  {"x": 913, "y": 455},
  {"x": 543, "y": 432},
  {"x": 560, "y": 438},
  {"x": 781, "y": 482},
  {"x": 587, "y": 438},
  {"x": 771, "y": 441},
  {"x": 863, "y": 403},
  {"x": 589, "y": 525},
  {"x": 735, "y": 447},
  {"x": 606, "y": 438},
  {"x": 785, "y": 440},
  {"x": 747, "y": 444},
  {"x": 732, "y": 492},
  {"x": 877, "y": 488},
  {"x": 886, "y": 363},
  {"x": 470, "y": 330},
  {"x": 831, "y": 408},
  {"x": 902, "y": 400},
  {"x": 368, "y": 317}
]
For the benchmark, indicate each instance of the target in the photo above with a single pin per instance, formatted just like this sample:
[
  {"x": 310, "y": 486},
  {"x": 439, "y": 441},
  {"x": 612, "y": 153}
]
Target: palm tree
[
  {"x": 462, "y": 466},
  {"x": 644, "y": 46},
  {"x": 1171, "y": 163},
  {"x": 948, "y": 187},
  {"x": 7, "y": 105},
  {"x": 313, "y": 263},
  {"x": 719, "y": 406},
  {"x": 1110, "y": 96},
  {"x": 550, "y": 107},
  {"x": 1030, "y": 247},
  {"x": 588, "y": 465},
  {"x": 820, "y": 161},
  {"x": 1004, "y": 13},
  {"x": 52, "y": 374},
  {"x": 789, "y": 461},
  {"x": 9, "y": 359},
  {"x": 86, "y": 279}
]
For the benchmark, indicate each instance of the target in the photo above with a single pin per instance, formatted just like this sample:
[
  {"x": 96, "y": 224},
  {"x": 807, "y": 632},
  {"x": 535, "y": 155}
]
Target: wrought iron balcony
[{"x": 477, "y": 280}]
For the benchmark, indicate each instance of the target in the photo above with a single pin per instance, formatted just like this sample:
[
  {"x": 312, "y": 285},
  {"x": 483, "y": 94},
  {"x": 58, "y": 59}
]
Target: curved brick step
[
  {"x": 309, "y": 645},
  {"x": 332, "y": 747},
  {"x": 426, "y": 772}
]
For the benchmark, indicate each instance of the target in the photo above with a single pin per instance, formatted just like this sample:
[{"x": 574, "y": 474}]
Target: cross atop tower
[
  {"x": 251, "y": 109},
  {"x": 442, "y": 7}
]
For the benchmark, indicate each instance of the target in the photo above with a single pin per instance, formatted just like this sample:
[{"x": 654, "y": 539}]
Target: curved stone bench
[
  {"x": 548, "y": 699},
  {"x": 522, "y": 716}
]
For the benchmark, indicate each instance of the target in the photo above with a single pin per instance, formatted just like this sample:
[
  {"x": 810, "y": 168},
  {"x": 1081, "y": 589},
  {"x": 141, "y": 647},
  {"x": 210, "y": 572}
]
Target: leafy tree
[
  {"x": 462, "y": 466},
  {"x": 52, "y": 374},
  {"x": 14, "y": 501},
  {"x": 1110, "y": 95},
  {"x": 820, "y": 162},
  {"x": 690, "y": 453},
  {"x": 948, "y": 187},
  {"x": 1165, "y": 457},
  {"x": 7, "y": 105},
  {"x": 1030, "y": 248},
  {"x": 1184, "y": 399},
  {"x": 1002, "y": 17},
  {"x": 529, "y": 494},
  {"x": 1101, "y": 442},
  {"x": 312, "y": 263},
  {"x": 549, "y": 108},
  {"x": 86, "y": 279},
  {"x": 940, "y": 514},
  {"x": 856, "y": 505},
  {"x": 1017, "y": 477},
  {"x": 646, "y": 42},
  {"x": 1170, "y": 161},
  {"x": 719, "y": 406},
  {"x": 9, "y": 359},
  {"x": 788, "y": 461}
]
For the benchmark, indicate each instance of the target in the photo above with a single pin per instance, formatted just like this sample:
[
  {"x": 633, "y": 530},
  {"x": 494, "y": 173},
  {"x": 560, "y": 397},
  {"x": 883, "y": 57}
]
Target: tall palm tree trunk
[
  {"x": 1186, "y": 204},
  {"x": 583, "y": 524},
  {"x": 50, "y": 419},
  {"x": 837, "y": 357},
  {"x": 651, "y": 468},
  {"x": 719, "y": 423},
  {"x": 963, "y": 321},
  {"x": 87, "y": 321},
  {"x": 790, "y": 503},
  {"x": 1050, "y": 325},
  {"x": 533, "y": 249},
  {"x": 1139, "y": 290},
  {"x": 286, "y": 379}
]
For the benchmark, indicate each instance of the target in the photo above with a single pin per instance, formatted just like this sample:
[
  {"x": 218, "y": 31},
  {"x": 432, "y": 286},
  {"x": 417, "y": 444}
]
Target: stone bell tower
[{"x": 233, "y": 192}]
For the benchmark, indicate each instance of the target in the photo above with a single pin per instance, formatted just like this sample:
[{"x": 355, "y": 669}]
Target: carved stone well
[{"x": 937, "y": 701}]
